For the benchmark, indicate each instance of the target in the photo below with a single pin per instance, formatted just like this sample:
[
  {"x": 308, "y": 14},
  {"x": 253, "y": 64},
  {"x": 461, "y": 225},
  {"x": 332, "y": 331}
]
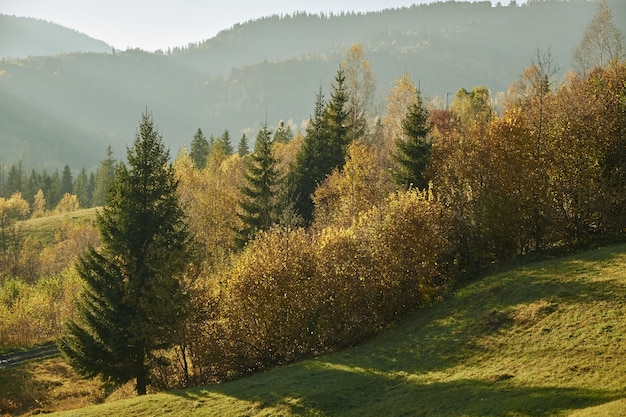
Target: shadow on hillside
[
  {"x": 449, "y": 333},
  {"x": 352, "y": 392},
  {"x": 392, "y": 371}
]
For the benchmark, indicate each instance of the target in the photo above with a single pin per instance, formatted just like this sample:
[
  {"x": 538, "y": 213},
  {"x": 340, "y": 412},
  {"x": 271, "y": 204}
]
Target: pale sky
[{"x": 158, "y": 24}]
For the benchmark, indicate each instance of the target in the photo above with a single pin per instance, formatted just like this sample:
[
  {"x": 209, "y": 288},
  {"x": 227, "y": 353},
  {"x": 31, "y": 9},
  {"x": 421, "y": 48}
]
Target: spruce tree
[
  {"x": 243, "y": 149},
  {"x": 67, "y": 181},
  {"x": 323, "y": 149},
  {"x": 412, "y": 152},
  {"x": 283, "y": 134},
  {"x": 200, "y": 149},
  {"x": 80, "y": 188},
  {"x": 104, "y": 175},
  {"x": 227, "y": 143},
  {"x": 133, "y": 303},
  {"x": 259, "y": 206},
  {"x": 306, "y": 171}
]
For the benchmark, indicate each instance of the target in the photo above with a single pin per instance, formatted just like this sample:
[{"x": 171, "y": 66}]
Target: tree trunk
[{"x": 141, "y": 372}]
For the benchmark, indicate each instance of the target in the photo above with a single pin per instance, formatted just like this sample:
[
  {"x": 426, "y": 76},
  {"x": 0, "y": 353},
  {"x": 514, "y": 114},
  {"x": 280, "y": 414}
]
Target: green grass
[
  {"x": 545, "y": 339},
  {"x": 44, "y": 229}
]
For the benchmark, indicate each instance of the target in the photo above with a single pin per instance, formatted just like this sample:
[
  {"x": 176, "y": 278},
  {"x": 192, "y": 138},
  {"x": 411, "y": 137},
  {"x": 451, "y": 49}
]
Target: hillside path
[{"x": 17, "y": 358}]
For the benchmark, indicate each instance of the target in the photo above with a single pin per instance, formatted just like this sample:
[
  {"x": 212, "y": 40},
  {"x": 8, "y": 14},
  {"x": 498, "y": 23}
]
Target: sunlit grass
[
  {"x": 44, "y": 228},
  {"x": 541, "y": 340}
]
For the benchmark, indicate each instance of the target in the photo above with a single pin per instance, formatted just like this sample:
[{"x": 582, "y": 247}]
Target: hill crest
[{"x": 23, "y": 37}]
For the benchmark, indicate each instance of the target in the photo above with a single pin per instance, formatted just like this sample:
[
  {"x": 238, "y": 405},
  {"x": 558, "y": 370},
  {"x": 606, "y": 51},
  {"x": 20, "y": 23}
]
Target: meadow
[{"x": 543, "y": 339}]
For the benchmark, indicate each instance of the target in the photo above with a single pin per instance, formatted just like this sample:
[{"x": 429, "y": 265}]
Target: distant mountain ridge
[
  {"x": 21, "y": 37},
  {"x": 68, "y": 108}
]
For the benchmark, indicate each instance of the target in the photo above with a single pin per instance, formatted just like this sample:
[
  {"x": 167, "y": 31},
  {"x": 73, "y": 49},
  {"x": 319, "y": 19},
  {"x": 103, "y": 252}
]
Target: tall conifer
[
  {"x": 259, "y": 206},
  {"x": 412, "y": 152},
  {"x": 132, "y": 303}
]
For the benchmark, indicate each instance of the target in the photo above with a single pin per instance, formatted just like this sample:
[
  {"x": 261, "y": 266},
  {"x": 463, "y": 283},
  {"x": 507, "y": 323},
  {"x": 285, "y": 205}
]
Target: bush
[{"x": 270, "y": 299}]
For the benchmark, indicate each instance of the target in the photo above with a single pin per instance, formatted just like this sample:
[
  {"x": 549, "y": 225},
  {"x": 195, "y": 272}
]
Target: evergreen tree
[
  {"x": 199, "y": 150},
  {"x": 283, "y": 134},
  {"x": 305, "y": 173},
  {"x": 91, "y": 186},
  {"x": 2, "y": 179},
  {"x": 55, "y": 190},
  {"x": 80, "y": 188},
  {"x": 227, "y": 143},
  {"x": 336, "y": 126},
  {"x": 413, "y": 151},
  {"x": 133, "y": 302},
  {"x": 259, "y": 206},
  {"x": 243, "y": 148},
  {"x": 33, "y": 184},
  {"x": 14, "y": 180},
  {"x": 67, "y": 182},
  {"x": 104, "y": 175},
  {"x": 323, "y": 149}
]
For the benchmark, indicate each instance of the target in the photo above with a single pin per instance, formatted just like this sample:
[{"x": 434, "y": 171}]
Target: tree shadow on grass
[
  {"x": 323, "y": 390},
  {"x": 388, "y": 376}
]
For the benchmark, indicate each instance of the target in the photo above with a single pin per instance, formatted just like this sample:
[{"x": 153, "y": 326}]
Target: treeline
[
  {"x": 549, "y": 173},
  {"x": 44, "y": 191}
]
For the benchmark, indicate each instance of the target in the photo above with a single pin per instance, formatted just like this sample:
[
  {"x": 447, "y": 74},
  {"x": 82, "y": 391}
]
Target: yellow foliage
[{"x": 68, "y": 203}]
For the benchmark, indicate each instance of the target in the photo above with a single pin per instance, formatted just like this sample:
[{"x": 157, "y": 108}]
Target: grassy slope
[
  {"x": 545, "y": 339},
  {"x": 45, "y": 228}
]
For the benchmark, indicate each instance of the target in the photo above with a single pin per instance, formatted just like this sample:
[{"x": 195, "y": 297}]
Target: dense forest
[
  {"x": 297, "y": 243},
  {"x": 68, "y": 108}
]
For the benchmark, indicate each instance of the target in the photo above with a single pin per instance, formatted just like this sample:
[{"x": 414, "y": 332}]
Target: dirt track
[{"x": 17, "y": 358}]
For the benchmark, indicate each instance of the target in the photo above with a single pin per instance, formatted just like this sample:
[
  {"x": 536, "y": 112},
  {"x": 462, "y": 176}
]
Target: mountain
[
  {"x": 21, "y": 37},
  {"x": 68, "y": 108}
]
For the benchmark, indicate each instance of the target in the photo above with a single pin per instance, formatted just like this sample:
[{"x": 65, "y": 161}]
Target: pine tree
[
  {"x": 199, "y": 149},
  {"x": 305, "y": 173},
  {"x": 323, "y": 149},
  {"x": 80, "y": 188},
  {"x": 104, "y": 175},
  {"x": 55, "y": 190},
  {"x": 243, "y": 148},
  {"x": 132, "y": 304},
  {"x": 259, "y": 204},
  {"x": 14, "y": 180},
  {"x": 412, "y": 152},
  {"x": 283, "y": 134},
  {"x": 227, "y": 143},
  {"x": 67, "y": 181}
]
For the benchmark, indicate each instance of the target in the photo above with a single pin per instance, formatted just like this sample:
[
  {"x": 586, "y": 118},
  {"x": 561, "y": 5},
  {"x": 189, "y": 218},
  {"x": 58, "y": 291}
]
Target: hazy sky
[{"x": 159, "y": 24}]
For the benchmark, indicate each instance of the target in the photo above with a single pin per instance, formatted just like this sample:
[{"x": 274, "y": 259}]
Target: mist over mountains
[{"x": 64, "y": 106}]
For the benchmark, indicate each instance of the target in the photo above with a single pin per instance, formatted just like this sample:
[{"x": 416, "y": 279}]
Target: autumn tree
[
  {"x": 132, "y": 303},
  {"x": 12, "y": 210},
  {"x": 403, "y": 94},
  {"x": 359, "y": 186},
  {"x": 39, "y": 204},
  {"x": 472, "y": 106},
  {"x": 602, "y": 41},
  {"x": 360, "y": 87}
]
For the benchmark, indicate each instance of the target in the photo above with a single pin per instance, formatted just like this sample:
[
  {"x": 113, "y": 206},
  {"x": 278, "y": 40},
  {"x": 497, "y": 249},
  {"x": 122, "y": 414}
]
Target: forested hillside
[
  {"x": 220, "y": 261},
  {"x": 69, "y": 108}
]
